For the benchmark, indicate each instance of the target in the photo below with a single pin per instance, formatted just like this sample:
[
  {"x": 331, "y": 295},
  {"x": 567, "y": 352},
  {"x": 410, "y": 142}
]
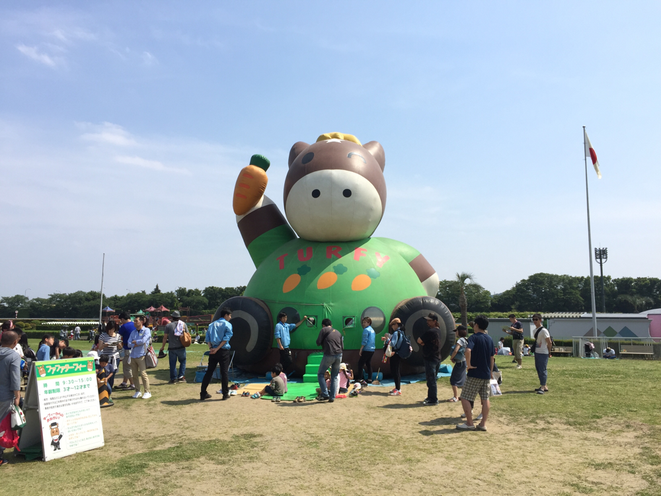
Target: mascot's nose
[
  {"x": 316, "y": 193},
  {"x": 346, "y": 193}
]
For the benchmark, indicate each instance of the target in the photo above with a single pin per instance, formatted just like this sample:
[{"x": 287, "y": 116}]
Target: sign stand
[{"x": 61, "y": 406}]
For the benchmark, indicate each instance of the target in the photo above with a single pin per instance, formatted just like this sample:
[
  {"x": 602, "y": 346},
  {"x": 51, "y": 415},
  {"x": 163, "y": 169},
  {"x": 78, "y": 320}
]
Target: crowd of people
[{"x": 127, "y": 346}]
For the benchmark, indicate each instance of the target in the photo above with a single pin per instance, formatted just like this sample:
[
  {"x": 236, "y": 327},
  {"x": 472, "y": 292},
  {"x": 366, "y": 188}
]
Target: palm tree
[
  {"x": 463, "y": 302},
  {"x": 636, "y": 301}
]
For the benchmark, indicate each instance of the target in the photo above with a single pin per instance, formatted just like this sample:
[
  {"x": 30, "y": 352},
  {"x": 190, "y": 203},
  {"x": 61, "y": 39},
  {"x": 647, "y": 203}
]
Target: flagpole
[
  {"x": 587, "y": 199},
  {"x": 103, "y": 265}
]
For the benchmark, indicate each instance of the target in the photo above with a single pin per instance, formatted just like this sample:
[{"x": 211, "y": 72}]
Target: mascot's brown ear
[
  {"x": 375, "y": 148},
  {"x": 296, "y": 151}
]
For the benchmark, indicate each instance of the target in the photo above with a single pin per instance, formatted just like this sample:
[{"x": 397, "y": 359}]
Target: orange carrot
[
  {"x": 290, "y": 283},
  {"x": 326, "y": 280},
  {"x": 251, "y": 184}
]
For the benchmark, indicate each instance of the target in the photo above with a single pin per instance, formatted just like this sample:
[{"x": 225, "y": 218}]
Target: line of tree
[
  {"x": 83, "y": 304},
  {"x": 552, "y": 293},
  {"x": 538, "y": 293}
]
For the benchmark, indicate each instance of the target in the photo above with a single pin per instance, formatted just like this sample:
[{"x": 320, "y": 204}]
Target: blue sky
[{"x": 123, "y": 126}]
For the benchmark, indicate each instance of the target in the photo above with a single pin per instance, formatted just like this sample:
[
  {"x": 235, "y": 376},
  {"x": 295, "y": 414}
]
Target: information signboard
[{"x": 62, "y": 408}]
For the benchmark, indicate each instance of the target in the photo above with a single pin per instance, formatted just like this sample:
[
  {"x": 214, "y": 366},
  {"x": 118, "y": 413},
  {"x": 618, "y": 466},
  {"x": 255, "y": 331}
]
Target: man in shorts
[
  {"x": 479, "y": 363},
  {"x": 516, "y": 330}
]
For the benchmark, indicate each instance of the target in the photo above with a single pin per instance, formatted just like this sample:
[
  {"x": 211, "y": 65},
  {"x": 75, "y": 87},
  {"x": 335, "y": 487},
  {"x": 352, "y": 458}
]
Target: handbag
[
  {"x": 151, "y": 361},
  {"x": 17, "y": 418},
  {"x": 8, "y": 437},
  {"x": 495, "y": 388},
  {"x": 185, "y": 339}
]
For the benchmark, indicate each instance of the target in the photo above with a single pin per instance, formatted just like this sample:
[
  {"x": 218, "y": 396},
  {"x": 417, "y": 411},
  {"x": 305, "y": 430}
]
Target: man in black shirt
[
  {"x": 431, "y": 352},
  {"x": 516, "y": 330},
  {"x": 332, "y": 342}
]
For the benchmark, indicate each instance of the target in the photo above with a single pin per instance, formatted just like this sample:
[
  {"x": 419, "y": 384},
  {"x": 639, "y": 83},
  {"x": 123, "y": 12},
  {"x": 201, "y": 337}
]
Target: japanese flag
[{"x": 592, "y": 155}]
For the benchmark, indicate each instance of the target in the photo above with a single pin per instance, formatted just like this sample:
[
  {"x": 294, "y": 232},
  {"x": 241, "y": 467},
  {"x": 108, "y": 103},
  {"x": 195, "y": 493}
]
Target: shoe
[
  {"x": 519, "y": 367},
  {"x": 146, "y": 396},
  {"x": 430, "y": 403},
  {"x": 132, "y": 386},
  {"x": 204, "y": 396},
  {"x": 234, "y": 386},
  {"x": 233, "y": 392},
  {"x": 465, "y": 427},
  {"x": 513, "y": 361},
  {"x": 395, "y": 392},
  {"x": 137, "y": 394},
  {"x": 392, "y": 391},
  {"x": 539, "y": 391},
  {"x": 276, "y": 399},
  {"x": 453, "y": 400},
  {"x": 220, "y": 391},
  {"x": 245, "y": 394},
  {"x": 256, "y": 396},
  {"x": 322, "y": 398},
  {"x": 181, "y": 379},
  {"x": 123, "y": 385},
  {"x": 172, "y": 382},
  {"x": 330, "y": 400},
  {"x": 225, "y": 397},
  {"x": 3, "y": 461},
  {"x": 480, "y": 427}
]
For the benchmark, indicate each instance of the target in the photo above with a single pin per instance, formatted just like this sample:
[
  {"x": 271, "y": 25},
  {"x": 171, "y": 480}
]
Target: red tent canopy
[
  {"x": 150, "y": 309},
  {"x": 162, "y": 309}
]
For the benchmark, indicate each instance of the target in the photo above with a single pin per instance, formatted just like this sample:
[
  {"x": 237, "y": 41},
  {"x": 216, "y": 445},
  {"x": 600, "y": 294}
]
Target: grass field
[{"x": 596, "y": 432}]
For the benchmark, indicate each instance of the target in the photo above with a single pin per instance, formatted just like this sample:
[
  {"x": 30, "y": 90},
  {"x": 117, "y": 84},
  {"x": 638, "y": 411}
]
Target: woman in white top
[
  {"x": 543, "y": 347},
  {"x": 110, "y": 344}
]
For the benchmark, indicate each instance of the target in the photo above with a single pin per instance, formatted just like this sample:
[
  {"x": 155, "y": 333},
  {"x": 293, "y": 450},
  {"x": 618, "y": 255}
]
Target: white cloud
[
  {"x": 68, "y": 36},
  {"x": 107, "y": 133},
  {"x": 150, "y": 164},
  {"x": 148, "y": 58},
  {"x": 36, "y": 55}
]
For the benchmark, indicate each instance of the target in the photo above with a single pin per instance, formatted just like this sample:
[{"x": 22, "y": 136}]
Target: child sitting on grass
[
  {"x": 346, "y": 376},
  {"x": 277, "y": 386},
  {"x": 102, "y": 383},
  {"x": 327, "y": 378}
]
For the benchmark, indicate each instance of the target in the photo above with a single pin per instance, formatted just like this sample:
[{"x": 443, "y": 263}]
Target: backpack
[{"x": 404, "y": 348}]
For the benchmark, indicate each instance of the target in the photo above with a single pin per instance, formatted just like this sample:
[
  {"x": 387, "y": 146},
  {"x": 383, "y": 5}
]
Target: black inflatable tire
[
  {"x": 253, "y": 329},
  {"x": 412, "y": 313}
]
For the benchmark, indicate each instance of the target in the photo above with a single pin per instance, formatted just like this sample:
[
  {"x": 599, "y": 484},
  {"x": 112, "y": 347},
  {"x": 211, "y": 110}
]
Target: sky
[{"x": 123, "y": 126}]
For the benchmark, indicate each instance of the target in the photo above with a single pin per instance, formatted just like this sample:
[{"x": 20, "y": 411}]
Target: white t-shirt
[{"x": 541, "y": 347}]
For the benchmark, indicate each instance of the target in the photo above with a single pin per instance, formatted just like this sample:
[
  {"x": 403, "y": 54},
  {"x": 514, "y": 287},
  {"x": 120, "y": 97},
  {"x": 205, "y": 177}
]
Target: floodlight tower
[{"x": 601, "y": 255}]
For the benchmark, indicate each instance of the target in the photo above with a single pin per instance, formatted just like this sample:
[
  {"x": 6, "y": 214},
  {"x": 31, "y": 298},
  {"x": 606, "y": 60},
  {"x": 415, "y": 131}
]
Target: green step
[
  {"x": 312, "y": 368},
  {"x": 315, "y": 358},
  {"x": 310, "y": 378}
]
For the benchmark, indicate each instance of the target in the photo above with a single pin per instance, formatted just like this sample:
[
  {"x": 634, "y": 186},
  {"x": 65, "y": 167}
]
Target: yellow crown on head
[{"x": 342, "y": 136}]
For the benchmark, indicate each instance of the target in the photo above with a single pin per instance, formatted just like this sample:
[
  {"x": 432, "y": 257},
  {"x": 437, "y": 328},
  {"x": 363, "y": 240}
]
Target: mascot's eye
[
  {"x": 316, "y": 192},
  {"x": 307, "y": 158},
  {"x": 346, "y": 193},
  {"x": 352, "y": 154}
]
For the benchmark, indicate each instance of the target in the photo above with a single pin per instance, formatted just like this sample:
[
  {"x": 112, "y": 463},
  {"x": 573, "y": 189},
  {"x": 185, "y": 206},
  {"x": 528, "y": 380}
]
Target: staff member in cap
[
  {"x": 431, "y": 353},
  {"x": 176, "y": 350},
  {"x": 218, "y": 336}
]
